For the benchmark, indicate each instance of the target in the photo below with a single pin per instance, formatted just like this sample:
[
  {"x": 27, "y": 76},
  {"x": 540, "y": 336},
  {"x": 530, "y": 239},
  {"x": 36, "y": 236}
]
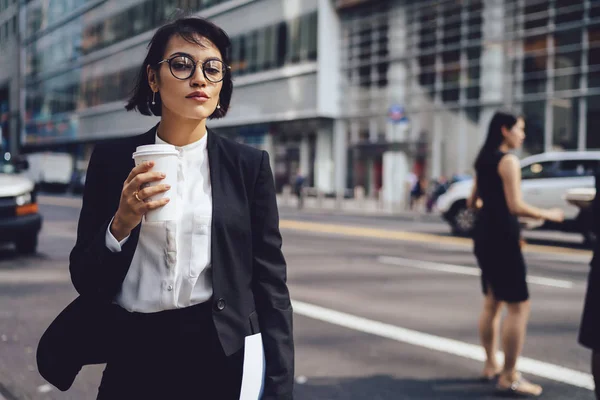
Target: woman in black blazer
[
  {"x": 168, "y": 305},
  {"x": 589, "y": 332}
]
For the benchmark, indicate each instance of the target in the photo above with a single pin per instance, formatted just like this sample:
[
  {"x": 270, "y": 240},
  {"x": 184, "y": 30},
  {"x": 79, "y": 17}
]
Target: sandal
[{"x": 519, "y": 388}]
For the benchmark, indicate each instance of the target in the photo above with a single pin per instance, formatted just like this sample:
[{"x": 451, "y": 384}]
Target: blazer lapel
[{"x": 218, "y": 198}]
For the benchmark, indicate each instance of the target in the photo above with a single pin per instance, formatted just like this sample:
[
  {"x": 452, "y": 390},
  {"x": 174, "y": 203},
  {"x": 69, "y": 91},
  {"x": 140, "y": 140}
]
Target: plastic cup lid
[{"x": 155, "y": 149}]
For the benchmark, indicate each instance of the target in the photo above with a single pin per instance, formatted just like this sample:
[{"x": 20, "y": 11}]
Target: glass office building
[
  {"x": 448, "y": 64},
  {"x": 81, "y": 58}
]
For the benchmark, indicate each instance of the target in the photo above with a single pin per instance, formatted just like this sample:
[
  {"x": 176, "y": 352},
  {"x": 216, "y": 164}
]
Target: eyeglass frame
[{"x": 195, "y": 64}]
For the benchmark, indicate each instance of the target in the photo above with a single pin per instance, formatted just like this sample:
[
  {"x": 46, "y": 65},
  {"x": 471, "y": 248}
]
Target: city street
[{"x": 386, "y": 309}]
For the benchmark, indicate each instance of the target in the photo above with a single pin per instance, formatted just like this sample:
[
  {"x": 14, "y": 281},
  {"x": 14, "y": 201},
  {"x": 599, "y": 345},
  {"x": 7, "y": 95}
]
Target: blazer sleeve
[
  {"x": 596, "y": 207},
  {"x": 270, "y": 290},
  {"x": 95, "y": 270}
]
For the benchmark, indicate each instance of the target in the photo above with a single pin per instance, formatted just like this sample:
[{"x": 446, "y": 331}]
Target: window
[
  {"x": 535, "y": 65},
  {"x": 577, "y": 168},
  {"x": 593, "y": 122},
  {"x": 535, "y": 124},
  {"x": 282, "y": 43},
  {"x": 566, "y": 123},
  {"x": 568, "y": 59},
  {"x": 545, "y": 169}
]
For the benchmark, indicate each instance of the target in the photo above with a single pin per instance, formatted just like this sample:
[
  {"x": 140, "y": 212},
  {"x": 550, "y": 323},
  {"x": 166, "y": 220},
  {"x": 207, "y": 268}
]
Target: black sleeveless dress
[
  {"x": 497, "y": 236},
  {"x": 589, "y": 331}
]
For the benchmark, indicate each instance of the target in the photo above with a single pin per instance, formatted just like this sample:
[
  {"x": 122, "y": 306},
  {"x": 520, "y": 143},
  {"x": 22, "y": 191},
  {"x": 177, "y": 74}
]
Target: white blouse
[{"x": 171, "y": 264}]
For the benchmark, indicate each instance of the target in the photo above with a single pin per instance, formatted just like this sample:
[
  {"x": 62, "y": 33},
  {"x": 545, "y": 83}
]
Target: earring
[
  {"x": 153, "y": 94},
  {"x": 218, "y": 106}
]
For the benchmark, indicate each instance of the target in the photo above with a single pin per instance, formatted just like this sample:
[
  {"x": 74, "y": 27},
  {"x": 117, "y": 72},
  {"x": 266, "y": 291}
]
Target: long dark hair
[
  {"x": 189, "y": 29},
  {"x": 494, "y": 136}
]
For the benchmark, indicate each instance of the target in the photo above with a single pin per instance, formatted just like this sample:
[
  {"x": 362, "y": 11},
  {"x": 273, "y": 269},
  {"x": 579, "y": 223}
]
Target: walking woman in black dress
[
  {"x": 497, "y": 240},
  {"x": 589, "y": 332}
]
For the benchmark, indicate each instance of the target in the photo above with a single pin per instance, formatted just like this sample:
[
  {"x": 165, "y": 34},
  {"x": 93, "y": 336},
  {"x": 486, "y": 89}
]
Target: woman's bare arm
[{"x": 510, "y": 172}]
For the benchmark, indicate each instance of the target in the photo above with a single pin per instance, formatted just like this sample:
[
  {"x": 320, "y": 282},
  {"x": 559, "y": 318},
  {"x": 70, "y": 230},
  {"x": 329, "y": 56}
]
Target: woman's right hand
[
  {"x": 554, "y": 215},
  {"x": 131, "y": 210}
]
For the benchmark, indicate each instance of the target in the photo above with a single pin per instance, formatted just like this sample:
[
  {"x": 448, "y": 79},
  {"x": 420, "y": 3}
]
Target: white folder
[{"x": 253, "y": 377}]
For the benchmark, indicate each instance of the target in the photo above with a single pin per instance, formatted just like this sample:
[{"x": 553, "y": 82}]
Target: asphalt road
[{"x": 385, "y": 309}]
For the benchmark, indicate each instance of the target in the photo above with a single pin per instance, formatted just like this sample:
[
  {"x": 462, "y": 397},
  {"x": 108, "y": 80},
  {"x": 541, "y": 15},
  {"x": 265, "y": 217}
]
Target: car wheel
[
  {"x": 462, "y": 219},
  {"x": 27, "y": 245}
]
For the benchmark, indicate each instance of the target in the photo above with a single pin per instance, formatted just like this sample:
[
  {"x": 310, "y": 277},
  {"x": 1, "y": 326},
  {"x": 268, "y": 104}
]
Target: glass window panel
[
  {"x": 269, "y": 45},
  {"x": 313, "y": 40},
  {"x": 251, "y": 51},
  {"x": 577, "y": 168},
  {"x": 261, "y": 54},
  {"x": 474, "y": 19},
  {"x": 593, "y": 122},
  {"x": 451, "y": 76},
  {"x": 294, "y": 40},
  {"x": 568, "y": 12},
  {"x": 594, "y": 67},
  {"x": 566, "y": 123},
  {"x": 382, "y": 70},
  {"x": 427, "y": 73},
  {"x": 594, "y": 9},
  {"x": 534, "y": 65},
  {"x": 427, "y": 30},
  {"x": 535, "y": 123},
  {"x": 567, "y": 60},
  {"x": 536, "y": 14}
]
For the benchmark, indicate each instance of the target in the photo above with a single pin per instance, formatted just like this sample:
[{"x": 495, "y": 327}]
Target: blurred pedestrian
[
  {"x": 589, "y": 332},
  {"x": 299, "y": 183},
  {"x": 409, "y": 183},
  {"x": 440, "y": 186},
  {"x": 184, "y": 294},
  {"x": 497, "y": 246},
  {"x": 418, "y": 193}
]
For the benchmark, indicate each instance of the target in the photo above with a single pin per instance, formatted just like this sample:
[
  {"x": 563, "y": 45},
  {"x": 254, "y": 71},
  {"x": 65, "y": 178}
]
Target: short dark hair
[{"x": 188, "y": 28}]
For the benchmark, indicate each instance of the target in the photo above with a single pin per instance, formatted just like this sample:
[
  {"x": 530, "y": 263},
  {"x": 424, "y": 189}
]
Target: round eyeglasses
[{"x": 183, "y": 67}]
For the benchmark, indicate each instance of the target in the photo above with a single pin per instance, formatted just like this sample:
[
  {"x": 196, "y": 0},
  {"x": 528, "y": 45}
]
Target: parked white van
[{"x": 20, "y": 221}]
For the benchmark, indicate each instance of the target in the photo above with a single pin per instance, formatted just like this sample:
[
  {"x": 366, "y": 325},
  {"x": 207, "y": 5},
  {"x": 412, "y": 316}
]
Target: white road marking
[
  {"x": 74, "y": 202},
  {"x": 15, "y": 277},
  {"x": 542, "y": 369},
  {"x": 472, "y": 271}
]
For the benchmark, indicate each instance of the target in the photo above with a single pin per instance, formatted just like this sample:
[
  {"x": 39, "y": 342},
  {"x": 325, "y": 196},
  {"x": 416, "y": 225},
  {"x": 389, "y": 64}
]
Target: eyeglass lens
[{"x": 182, "y": 67}]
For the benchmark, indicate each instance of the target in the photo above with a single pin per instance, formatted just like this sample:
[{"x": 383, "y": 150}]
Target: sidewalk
[{"x": 364, "y": 208}]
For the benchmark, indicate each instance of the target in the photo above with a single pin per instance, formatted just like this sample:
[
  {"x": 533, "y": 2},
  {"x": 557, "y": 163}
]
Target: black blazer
[
  {"x": 589, "y": 330},
  {"x": 249, "y": 271}
]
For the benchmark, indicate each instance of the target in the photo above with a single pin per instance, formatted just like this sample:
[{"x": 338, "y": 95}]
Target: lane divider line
[
  {"x": 471, "y": 271},
  {"x": 356, "y": 231},
  {"x": 541, "y": 369},
  {"x": 377, "y": 233}
]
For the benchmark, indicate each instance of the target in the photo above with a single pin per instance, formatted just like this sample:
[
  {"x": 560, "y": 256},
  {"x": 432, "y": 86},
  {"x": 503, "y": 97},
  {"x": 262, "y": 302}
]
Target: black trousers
[{"x": 172, "y": 354}]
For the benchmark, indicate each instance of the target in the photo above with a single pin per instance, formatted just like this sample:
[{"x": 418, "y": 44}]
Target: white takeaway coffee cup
[{"x": 165, "y": 160}]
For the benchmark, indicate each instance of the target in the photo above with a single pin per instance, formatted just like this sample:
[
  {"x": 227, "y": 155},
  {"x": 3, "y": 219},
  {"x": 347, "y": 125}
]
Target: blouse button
[{"x": 169, "y": 288}]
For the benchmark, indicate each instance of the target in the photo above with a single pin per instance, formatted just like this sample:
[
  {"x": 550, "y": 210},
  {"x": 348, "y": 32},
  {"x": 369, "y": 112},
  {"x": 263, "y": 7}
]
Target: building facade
[
  {"x": 448, "y": 65},
  {"x": 9, "y": 73},
  {"x": 347, "y": 92},
  {"x": 81, "y": 58}
]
